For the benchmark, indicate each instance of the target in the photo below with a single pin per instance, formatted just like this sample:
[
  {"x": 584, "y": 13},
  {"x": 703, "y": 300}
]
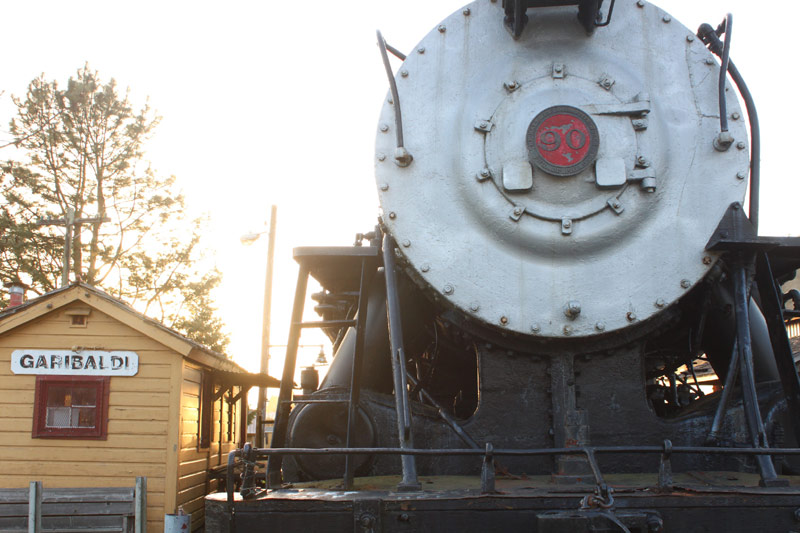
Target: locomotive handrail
[{"x": 526, "y": 452}]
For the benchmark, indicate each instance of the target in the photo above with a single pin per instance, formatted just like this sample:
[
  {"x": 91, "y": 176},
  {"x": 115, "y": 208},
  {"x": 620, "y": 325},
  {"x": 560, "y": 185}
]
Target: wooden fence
[{"x": 38, "y": 510}]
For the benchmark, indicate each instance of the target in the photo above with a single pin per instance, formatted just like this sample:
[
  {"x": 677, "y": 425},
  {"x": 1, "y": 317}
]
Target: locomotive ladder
[{"x": 348, "y": 269}]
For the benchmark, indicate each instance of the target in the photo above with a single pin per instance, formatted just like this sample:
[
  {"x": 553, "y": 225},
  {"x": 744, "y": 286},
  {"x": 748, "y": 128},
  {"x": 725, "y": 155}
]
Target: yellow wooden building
[{"x": 93, "y": 394}]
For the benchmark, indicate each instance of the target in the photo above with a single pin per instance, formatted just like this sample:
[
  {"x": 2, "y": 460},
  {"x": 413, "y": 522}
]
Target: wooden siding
[
  {"x": 143, "y": 416},
  {"x": 194, "y": 462}
]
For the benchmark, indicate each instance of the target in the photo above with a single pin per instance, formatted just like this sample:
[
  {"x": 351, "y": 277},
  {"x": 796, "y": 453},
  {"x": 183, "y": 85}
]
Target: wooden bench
[{"x": 74, "y": 510}]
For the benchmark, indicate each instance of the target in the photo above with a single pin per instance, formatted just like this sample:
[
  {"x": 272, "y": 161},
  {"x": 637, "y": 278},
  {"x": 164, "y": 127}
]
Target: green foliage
[{"x": 82, "y": 149}]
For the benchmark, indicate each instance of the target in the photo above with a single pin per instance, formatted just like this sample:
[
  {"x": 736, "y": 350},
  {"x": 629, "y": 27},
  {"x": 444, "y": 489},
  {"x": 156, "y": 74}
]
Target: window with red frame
[{"x": 70, "y": 407}]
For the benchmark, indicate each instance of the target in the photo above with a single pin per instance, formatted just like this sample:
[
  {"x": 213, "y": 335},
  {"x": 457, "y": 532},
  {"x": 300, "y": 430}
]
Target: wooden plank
[
  {"x": 147, "y": 442},
  {"x": 35, "y": 507},
  {"x": 140, "y": 506},
  {"x": 189, "y": 414},
  {"x": 190, "y": 494},
  {"x": 192, "y": 374},
  {"x": 141, "y": 385},
  {"x": 13, "y": 382},
  {"x": 143, "y": 427},
  {"x": 138, "y": 399},
  {"x": 83, "y": 523},
  {"x": 138, "y": 413},
  {"x": 21, "y": 481},
  {"x": 188, "y": 441},
  {"x": 120, "y": 384},
  {"x": 173, "y": 435},
  {"x": 191, "y": 388},
  {"x": 88, "y": 494},
  {"x": 91, "y": 508},
  {"x": 43, "y": 469},
  {"x": 195, "y": 505},
  {"x": 20, "y": 397},
  {"x": 190, "y": 402},
  {"x": 188, "y": 455},
  {"x": 192, "y": 479},
  {"x": 83, "y": 454},
  {"x": 198, "y": 465}
]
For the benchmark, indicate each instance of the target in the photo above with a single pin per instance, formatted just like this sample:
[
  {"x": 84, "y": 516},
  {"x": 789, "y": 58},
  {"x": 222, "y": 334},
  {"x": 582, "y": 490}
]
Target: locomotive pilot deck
[{"x": 455, "y": 503}]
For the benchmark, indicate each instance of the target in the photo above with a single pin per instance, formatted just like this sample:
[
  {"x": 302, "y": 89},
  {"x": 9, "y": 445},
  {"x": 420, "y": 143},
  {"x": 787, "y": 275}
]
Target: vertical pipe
[
  {"x": 265, "y": 328},
  {"x": 35, "y": 507},
  {"x": 287, "y": 381},
  {"x": 355, "y": 380},
  {"x": 782, "y": 351},
  {"x": 752, "y": 414},
  {"x": 727, "y": 389},
  {"x": 408, "y": 462}
]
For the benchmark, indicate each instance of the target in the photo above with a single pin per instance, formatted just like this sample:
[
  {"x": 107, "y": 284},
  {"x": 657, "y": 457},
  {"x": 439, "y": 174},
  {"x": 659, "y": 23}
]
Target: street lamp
[{"x": 250, "y": 238}]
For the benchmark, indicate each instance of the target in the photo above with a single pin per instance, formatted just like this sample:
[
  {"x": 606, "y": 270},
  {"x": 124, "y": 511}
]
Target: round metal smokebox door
[
  {"x": 562, "y": 186},
  {"x": 562, "y": 140}
]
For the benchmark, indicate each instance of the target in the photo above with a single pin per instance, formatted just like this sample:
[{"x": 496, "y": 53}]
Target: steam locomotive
[{"x": 565, "y": 320}]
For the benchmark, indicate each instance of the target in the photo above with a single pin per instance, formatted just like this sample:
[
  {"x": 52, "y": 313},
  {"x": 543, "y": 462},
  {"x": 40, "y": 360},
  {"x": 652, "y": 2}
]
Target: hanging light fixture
[{"x": 321, "y": 360}]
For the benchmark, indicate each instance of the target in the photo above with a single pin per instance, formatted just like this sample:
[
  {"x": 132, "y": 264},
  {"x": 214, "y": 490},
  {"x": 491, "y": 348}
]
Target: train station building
[{"x": 94, "y": 394}]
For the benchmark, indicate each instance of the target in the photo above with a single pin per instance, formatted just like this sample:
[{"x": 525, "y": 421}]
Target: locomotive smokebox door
[{"x": 559, "y": 167}]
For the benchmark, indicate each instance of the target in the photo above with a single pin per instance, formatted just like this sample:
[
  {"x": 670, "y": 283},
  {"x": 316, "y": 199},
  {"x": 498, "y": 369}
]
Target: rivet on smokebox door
[
  {"x": 404, "y": 73},
  {"x": 448, "y": 289},
  {"x": 631, "y": 316},
  {"x": 393, "y": 215},
  {"x": 467, "y": 12},
  {"x": 504, "y": 320},
  {"x": 535, "y": 328},
  {"x": 707, "y": 260},
  {"x": 384, "y": 186},
  {"x": 425, "y": 267},
  {"x": 406, "y": 243},
  {"x": 442, "y": 28},
  {"x": 660, "y": 303},
  {"x": 600, "y": 326},
  {"x": 685, "y": 283},
  {"x": 567, "y": 330},
  {"x": 474, "y": 306},
  {"x": 384, "y": 128},
  {"x": 381, "y": 157}
]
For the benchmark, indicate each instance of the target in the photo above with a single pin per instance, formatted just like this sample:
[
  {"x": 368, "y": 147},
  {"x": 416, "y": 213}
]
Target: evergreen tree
[{"x": 82, "y": 151}]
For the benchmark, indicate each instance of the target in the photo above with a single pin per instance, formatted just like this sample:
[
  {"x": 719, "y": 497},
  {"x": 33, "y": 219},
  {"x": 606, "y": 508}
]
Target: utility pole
[
  {"x": 262, "y": 392},
  {"x": 69, "y": 222}
]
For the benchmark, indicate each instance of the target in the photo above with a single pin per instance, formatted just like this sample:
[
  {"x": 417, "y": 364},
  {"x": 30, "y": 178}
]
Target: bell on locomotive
[{"x": 564, "y": 261}]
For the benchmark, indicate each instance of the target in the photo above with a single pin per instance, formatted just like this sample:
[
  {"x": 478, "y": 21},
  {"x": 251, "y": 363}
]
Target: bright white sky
[{"x": 263, "y": 103}]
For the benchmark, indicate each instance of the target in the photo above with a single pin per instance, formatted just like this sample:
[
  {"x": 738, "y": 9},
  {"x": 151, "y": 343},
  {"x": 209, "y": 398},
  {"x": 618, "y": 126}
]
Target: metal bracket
[
  {"x": 367, "y": 516},
  {"x": 484, "y": 125},
  {"x": 665, "y": 468},
  {"x": 589, "y": 14},
  {"x": 736, "y": 232},
  {"x": 646, "y": 178},
  {"x": 566, "y": 226},
  {"x": 487, "y": 471}
]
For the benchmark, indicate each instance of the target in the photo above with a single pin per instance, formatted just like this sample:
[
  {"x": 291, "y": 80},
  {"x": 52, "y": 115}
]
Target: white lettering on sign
[{"x": 72, "y": 363}]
